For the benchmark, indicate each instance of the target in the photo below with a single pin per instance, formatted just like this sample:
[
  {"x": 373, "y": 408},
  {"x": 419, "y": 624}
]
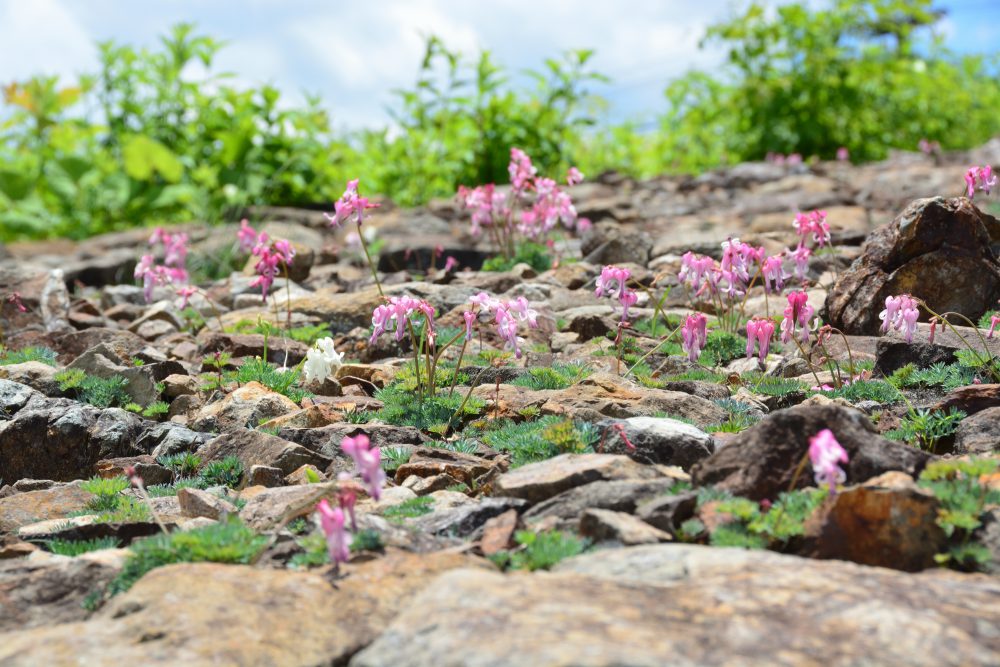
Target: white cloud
[{"x": 42, "y": 37}]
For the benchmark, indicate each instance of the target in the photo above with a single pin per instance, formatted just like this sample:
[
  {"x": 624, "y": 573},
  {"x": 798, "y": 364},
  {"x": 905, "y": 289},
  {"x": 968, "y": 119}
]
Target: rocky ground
[{"x": 601, "y": 500}]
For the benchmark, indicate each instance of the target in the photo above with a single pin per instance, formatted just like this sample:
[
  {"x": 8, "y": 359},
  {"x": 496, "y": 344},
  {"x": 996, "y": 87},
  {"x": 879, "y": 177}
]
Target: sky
[{"x": 354, "y": 53}]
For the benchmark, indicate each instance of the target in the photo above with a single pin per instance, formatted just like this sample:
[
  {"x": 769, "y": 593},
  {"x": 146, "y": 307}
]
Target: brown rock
[
  {"x": 937, "y": 249},
  {"x": 425, "y": 485},
  {"x": 258, "y": 448},
  {"x": 428, "y": 462},
  {"x": 246, "y": 407},
  {"x": 252, "y": 345},
  {"x": 980, "y": 433},
  {"x": 888, "y": 521},
  {"x": 302, "y": 474},
  {"x": 58, "y": 502},
  {"x": 971, "y": 399},
  {"x": 498, "y": 533},
  {"x": 197, "y": 502},
  {"x": 601, "y": 525},
  {"x": 205, "y": 613},
  {"x": 536, "y": 482}
]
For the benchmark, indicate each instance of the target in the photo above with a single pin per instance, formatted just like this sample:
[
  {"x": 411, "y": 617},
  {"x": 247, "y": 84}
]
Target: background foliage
[{"x": 144, "y": 141}]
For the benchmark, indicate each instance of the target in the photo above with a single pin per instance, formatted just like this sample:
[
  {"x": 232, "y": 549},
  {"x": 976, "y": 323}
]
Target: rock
[
  {"x": 760, "y": 462},
  {"x": 893, "y": 354},
  {"x": 657, "y": 440},
  {"x": 62, "y": 439},
  {"x": 668, "y": 512},
  {"x": 979, "y": 434},
  {"x": 232, "y": 614},
  {"x": 269, "y": 507},
  {"x": 428, "y": 462},
  {"x": 28, "y": 507},
  {"x": 971, "y": 399},
  {"x": 888, "y": 521},
  {"x": 258, "y": 448},
  {"x": 536, "y": 482},
  {"x": 179, "y": 385},
  {"x": 41, "y": 591},
  {"x": 498, "y": 533},
  {"x": 34, "y": 374},
  {"x": 465, "y": 519},
  {"x": 252, "y": 345},
  {"x": 606, "y": 525},
  {"x": 425, "y": 485},
  {"x": 989, "y": 536},
  {"x": 168, "y": 438},
  {"x": 326, "y": 440},
  {"x": 589, "y": 322},
  {"x": 146, "y": 467},
  {"x": 691, "y": 605},
  {"x": 616, "y": 495},
  {"x": 304, "y": 474},
  {"x": 268, "y": 476},
  {"x": 937, "y": 249},
  {"x": 89, "y": 527},
  {"x": 196, "y": 502},
  {"x": 610, "y": 243},
  {"x": 246, "y": 407},
  {"x": 14, "y": 396}
]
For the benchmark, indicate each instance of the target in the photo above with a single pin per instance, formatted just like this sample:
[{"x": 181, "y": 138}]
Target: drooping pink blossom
[
  {"x": 801, "y": 257},
  {"x": 338, "y": 540},
  {"x": 759, "y": 334},
  {"x": 695, "y": 269},
  {"x": 901, "y": 313},
  {"x": 693, "y": 335},
  {"x": 269, "y": 257},
  {"x": 246, "y": 236},
  {"x": 981, "y": 177},
  {"x": 470, "y": 319},
  {"x": 994, "y": 320},
  {"x": 843, "y": 155},
  {"x": 185, "y": 293},
  {"x": 797, "y": 314},
  {"x": 398, "y": 309},
  {"x": 450, "y": 264},
  {"x": 520, "y": 169},
  {"x": 774, "y": 274},
  {"x": 350, "y": 203},
  {"x": 826, "y": 455},
  {"x": 367, "y": 462},
  {"x": 813, "y": 223},
  {"x": 613, "y": 282},
  {"x": 573, "y": 176}
]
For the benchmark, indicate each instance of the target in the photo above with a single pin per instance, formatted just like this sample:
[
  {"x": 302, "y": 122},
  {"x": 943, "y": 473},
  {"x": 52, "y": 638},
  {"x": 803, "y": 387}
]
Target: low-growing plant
[
  {"x": 224, "y": 472},
  {"x": 539, "y": 551},
  {"x": 746, "y": 524},
  {"x": 33, "y": 353},
  {"x": 535, "y": 255},
  {"x": 72, "y": 548},
  {"x": 400, "y": 408},
  {"x": 228, "y": 541},
  {"x": 278, "y": 380},
  {"x": 925, "y": 428},
  {"x": 557, "y": 376},
  {"x": 528, "y": 442},
  {"x": 409, "y": 509},
  {"x": 940, "y": 374},
  {"x": 769, "y": 385},
  {"x": 184, "y": 464},
  {"x": 393, "y": 457},
  {"x": 959, "y": 487},
  {"x": 107, "y": 493},
  {"x": 879, "y": 391},
  {"x": 99, "y": 392},
  {"x": 355, "y": 416}
]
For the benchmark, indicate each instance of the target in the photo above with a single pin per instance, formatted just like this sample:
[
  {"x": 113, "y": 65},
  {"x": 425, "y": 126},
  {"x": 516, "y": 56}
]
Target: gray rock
[
  {"x": 536, "y": 482},
  {"x": 168, "y": 438},
  {"x": 979, "y": 433},
  {"x": 463, "y": 520},
  {"x": 617, "y": 495},
  {"x": 257, "y": 448},
  {"x": 34, "y": 374},
  {"x": 608, "y": 526},
  {"x": 657, "y": 440}
]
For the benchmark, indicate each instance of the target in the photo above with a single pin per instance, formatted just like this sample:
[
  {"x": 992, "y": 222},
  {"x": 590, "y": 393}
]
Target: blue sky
[{"x": 354, "y": 53}]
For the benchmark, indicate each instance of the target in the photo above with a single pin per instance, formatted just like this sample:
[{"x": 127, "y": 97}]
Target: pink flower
[
  {"x": 524, "y": 312},
  {"x": 367, "y": 462},
  {"x": 246, "y": 236},
  {"x": 399, "y": 309},
  {"x": 506, "y": 325},
  {"x": 994, "y": 320},
  {"x": 350, "y": 203},
  {"x": 930, "y": 336},
  {"x": 759, "y": 331},
  {"x": 843, "y": 155},
  {"x": 450, "y": 263},
  {"x": 15, "y": 298},
  {"x": 338, "y": 541},
  {"x": 928, "y": 147},
  {"x": 813, "y": 223},
  {"x": 484, "y": 301},
  {"x": 774, "y": 274},
  {"x": 826, "y": 454},
  {"x": 613, "y": 282},
  {"x": 520, "y": 169},
  {"x": 983, "y": 176},
  {"x": 797, "y": 313},
  {"x": 801, "y": 257},
  {"x": 693, "y": 334},
  {"x": 573, "y": 176},
  {"x": 470, "y": 319},
  {"x": 901, "y": 313},
  {"x": 185, "y": 293}
]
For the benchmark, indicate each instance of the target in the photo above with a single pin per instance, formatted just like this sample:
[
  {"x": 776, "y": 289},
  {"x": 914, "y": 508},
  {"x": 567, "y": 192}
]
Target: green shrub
[
  {"x": 269, "y": 375},
  {"x": 76, "y": 547},
  {"x": 99, "y": 392},
  {"x": 224, "y": 542},
  {"x": 535, "y": 255},
  {"x": 393, "y": 457},
  {"x": 225, "y": 472},
  {"x": 557, "y": 376},
  {"x": 542, "y": 439},
  {"x": 402, "y": 408},
  {"x": 33, "y": 353},
  {"x": 540, "y": 551},
  {"x": 925, "y": 428},
  {"x": 750, "y": 527},
  {"x": 409, "y": 509},
  {"x": 184, "y": 464},
  {"x": 866, "y": 390}
]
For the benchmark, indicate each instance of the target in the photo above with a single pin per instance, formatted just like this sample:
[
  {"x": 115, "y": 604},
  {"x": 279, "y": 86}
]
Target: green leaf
[
  {"x": 16, "y": 185},
  {"x": 143, "y": 156}
]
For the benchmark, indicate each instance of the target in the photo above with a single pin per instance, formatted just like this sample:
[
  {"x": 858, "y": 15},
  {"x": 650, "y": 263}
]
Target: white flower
[{"x": 322, "y": 360}]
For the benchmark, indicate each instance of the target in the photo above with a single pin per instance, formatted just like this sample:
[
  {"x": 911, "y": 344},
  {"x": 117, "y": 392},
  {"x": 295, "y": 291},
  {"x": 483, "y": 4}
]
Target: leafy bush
[
  {"x": 925, "y": 428},
  {"x": 540, "y": 551},
  {"x": 269, "y": 375},
  {"x": 182, "y": 465},
  {"x": 542, "y": 439},
  {"x": 866, "y": 390},
  {"x": 958, "y": 487},
  {"x": 76, "y": 547},
  {"x": 945, "y": 376},
  {"x": 225, "y": 472},
  {"x": 224, "y": 542},
  {"x": 721, "y": 347},
  {"x": 535, "y": 255},
  {"x": 99, "y": 392},
  {"x": 393, "y": 457},
  {"x": 557, "y": 376},
  {"x": 33, "y": 353},
  {"x": 747, "y": 525},
  {"x": 409, "y": 509},
  {"x": 401, "y": 408}
]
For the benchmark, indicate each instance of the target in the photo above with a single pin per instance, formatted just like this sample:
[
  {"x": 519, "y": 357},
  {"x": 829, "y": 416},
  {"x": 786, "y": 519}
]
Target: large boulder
[
  {"x": 937, "y": 249},
  {"x": 761, "y": 462}
]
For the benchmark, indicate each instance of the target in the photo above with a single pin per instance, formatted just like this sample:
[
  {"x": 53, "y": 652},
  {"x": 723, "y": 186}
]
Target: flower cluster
[
  {"x": 826, "y": 455},
  {"x": 613, "y": 282},
  {"x": 759, "y": 333},
  {"x": 367, "y": 463},
  {"x": 398, "y": 310},
  {"x": 981, "y": 177},
  {"x": 269, "y": 255},
  {"x": 797, "y": 313},
  {"x": 506, "y": 316},
  {"x": 693, "y": 335},
  {"x": 338, "y": 541},
  {"x": 322, "y": 360},
  {"x": 843, "y": 155},
  {"x": 928, "y": 147},
  {"x": 901, "y": 313},
  {"x": 172, "y": 271},
  {"x": 813, "y": 223},
  {"x": 14, "y": 298},
  {"x": 532, "y": 216},
  {"x": 350, "y": 203},
  {"x": 781, "y": 159}
]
